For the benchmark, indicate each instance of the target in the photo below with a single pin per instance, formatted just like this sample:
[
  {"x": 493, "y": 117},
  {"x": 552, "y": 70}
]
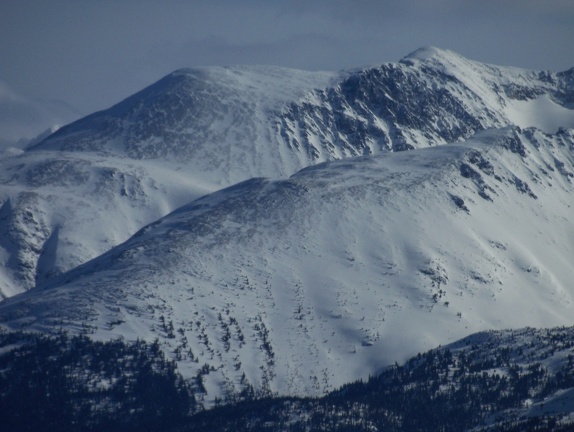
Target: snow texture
[
  {"x": 307, "y": 283},
  {"x": 351, "y": 255},
  {"x": 92, "y": 184}
]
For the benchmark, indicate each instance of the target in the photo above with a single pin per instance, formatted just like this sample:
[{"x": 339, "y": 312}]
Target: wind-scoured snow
[
  {"x": 61, "y": 208},
  {"x": 297, "y": 286},
  {"x": 92, "y": 184},
  {"x": 331, "y": 251}
]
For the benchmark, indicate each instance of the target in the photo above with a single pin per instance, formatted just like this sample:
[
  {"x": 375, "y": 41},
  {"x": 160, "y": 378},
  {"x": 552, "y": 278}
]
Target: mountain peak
[
  {"x": 354, "y": 288},
  {"x": 315, "y": 277},
  {"x": 425, "y": 52},
  {"x": 428, "y": 53}
]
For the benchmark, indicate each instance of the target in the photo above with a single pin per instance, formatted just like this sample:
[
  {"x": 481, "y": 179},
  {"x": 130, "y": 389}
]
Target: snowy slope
[
  {"x": 218, "y": 120},
  {"x": 93, "y": 183},
  {"x": 528, "y": 348},
  {"x": 496, "y": 381},
  {"x": 298, "y": 286},
  {"x": 62, "y": 205},
  {"x": 250, "y": 121},
  {"x": 60, "y": 209}
]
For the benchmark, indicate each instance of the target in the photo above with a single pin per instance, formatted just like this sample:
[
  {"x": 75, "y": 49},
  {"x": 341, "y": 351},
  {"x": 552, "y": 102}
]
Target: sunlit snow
[
  {"x": 330, "y": 252},
  {"x": 542, "y": 112}
]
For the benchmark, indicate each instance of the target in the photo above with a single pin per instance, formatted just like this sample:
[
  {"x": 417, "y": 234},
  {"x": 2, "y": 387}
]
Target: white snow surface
[
  {"x": 542, "y": 112},
  {"x": 60, "y": 209},
  {"x": 331, "y": 252},
  {"x": 308, "y": 283},
  {"x": 92, "y": 184}
]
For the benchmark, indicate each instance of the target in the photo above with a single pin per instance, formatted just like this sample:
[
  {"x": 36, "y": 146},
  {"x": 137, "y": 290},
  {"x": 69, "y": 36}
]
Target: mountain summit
[
  {"x": 95, "y": 182},
  {"x": 297, "y": 286},
  {"x": 290, "y": 231}
]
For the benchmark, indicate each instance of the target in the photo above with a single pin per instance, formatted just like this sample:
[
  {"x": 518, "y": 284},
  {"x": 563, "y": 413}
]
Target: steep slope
[
  {"x": 300, "y": 285},
  {"x": 430, "y": 97},
  {"x": 116, "y": 171},
  {"x": 494, "y": 381},
  {"x": 250, "y": 121},
  {"x": 59, "y": 209},
  {"x": 217, "y": 119},
  {"x": 512, "y": 380},
  {"x": 197, "y": 130}
]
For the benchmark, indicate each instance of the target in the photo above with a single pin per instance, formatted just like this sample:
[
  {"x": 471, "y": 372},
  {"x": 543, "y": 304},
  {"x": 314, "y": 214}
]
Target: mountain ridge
[
  {"x": 203, "y": 129},
  {"x": 431, "y": 245},
  {"x": 268, "y": 230},
  {"x": 499, "y": 381}
]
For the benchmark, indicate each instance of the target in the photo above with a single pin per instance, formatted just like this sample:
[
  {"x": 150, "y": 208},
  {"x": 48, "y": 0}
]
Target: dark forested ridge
[
  {"x": 67, "y": 383},
  {"x": 495, "y": 381}
]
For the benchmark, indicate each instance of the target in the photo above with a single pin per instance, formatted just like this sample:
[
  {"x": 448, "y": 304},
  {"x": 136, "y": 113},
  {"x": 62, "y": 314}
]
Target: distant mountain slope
[
  {"x": 60, "y": 208},
  {"x": 512, "y": 380},
  {"x": 298, "y": 286},
  {"x": 61, "y": 205},
  {"x": 263, "y": 121},
  {"x": 497, "y": 381},
  {"x": 218, "y": 120},
  {"x": 93, "y": 183}
]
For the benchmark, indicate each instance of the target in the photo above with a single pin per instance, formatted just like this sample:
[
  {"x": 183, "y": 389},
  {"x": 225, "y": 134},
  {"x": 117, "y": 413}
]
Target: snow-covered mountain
[
  {"x": 330, "y": 252},
  {"x": 62, "y": 206},
  {"x": 498, "y": 381},
  {"x": 298, "y": 286},
  {"x": 240, "y": 122},
  {"x": 93, "y": 183}
]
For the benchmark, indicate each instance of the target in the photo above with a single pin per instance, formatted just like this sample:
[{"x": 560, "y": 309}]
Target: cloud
[{"x": 23, "y": 118}]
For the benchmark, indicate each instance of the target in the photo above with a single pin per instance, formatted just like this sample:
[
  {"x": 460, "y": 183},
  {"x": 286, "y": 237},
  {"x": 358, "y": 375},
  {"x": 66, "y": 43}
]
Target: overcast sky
[{"x": 90, "y": 54}]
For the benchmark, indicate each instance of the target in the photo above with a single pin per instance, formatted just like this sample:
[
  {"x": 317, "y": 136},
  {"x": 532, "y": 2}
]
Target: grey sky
[{"x": 91, "y": 54}]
